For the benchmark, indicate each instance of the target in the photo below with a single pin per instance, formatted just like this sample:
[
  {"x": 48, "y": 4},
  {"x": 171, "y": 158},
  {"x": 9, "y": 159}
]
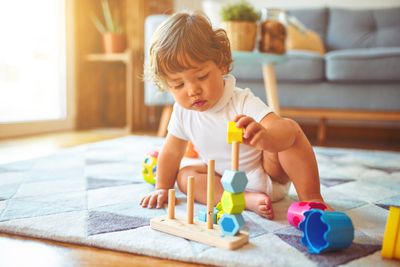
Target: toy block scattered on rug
[
  {"x": 207, "y": 233},
  {"x": 391, "y": 238}
]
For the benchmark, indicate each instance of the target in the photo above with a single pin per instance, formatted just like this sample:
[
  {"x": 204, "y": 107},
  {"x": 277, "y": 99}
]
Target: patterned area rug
[{"x": 89, "y": 195}]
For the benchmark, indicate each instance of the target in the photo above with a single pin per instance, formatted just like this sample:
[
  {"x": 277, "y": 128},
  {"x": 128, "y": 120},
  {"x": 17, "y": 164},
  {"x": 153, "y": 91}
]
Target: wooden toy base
[{"x": 198, "y": 232}]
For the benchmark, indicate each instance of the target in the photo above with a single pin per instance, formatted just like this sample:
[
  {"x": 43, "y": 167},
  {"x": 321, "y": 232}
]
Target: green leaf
[
  {"x": 241, "y": 11},
  {"x": 107, "y": 15},
  {"x": 97, "y": 23}
]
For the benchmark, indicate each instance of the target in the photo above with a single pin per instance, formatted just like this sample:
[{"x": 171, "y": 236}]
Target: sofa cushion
[
  {"x": 349, "y": 28},
  {"x": 329, "y": 95},
  {"x": 374, "y": 64},
  {"x": 300, "y": 66}
]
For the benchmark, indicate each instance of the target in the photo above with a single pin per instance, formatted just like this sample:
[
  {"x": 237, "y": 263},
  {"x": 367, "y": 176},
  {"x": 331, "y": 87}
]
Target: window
[{"x": 33, "y": 62}]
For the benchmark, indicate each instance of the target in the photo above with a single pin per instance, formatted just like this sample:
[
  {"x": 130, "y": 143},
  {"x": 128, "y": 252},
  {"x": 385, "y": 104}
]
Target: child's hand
[
  {"x": 254, "y": 134},
  {"x": 155, "y": 199}
]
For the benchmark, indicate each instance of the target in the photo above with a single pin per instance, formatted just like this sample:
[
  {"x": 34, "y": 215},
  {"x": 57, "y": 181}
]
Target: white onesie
[{"x": 207, "y": 131}]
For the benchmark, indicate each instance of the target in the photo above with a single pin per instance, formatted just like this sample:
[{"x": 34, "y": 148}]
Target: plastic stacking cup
[
  {"x": 296, "y": 211},
  {"x": 326, "y": 231}
]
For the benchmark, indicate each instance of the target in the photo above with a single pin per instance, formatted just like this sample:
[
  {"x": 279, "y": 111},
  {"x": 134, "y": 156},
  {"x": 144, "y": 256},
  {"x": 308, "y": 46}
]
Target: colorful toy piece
[
  {"x": 234, "y": 181},
  {"x": 326, "y": 231},
  {"x": 296, "y": 211},
  {"x": 150, "y": 167},
  {"x": 231, "y": 223},
  {"x": 233, "y": 203},
  {"x": 391, "y": 238},
  {"x": 234, "y": 133},
  {"x": 191, "y": 151},
  {"x": 202, "y": 215}
]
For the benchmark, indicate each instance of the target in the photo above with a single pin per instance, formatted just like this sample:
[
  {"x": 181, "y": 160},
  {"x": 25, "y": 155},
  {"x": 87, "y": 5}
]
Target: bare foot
[{"x": 259, "y": 203}]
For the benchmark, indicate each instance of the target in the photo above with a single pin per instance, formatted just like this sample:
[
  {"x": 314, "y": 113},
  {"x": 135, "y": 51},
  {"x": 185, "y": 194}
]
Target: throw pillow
[{"x": 303, "y": 40}]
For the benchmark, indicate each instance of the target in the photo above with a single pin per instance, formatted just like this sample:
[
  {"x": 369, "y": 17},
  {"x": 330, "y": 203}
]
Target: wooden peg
[
  {"x": 235, "y": 156},
  {"x": 210, "y": 193},
  {"x": 190, "y": 199},
  {"x": 171, "y": 204}
]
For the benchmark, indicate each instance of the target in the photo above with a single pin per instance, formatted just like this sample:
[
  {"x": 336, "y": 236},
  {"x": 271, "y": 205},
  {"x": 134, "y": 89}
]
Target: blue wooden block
[
  {"x": 231, "y": 224},
  {"x": 202, "y": 215},
  {"x": 234, "y": 181}
]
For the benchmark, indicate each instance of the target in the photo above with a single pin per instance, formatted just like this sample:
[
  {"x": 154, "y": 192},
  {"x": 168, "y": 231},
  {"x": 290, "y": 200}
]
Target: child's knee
[
  {"x": 295, "y": 125},
  {"x": 182, "y": 179},
  {"x": 183, "y": 174}
]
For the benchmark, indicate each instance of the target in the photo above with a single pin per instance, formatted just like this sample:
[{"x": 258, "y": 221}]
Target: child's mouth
[{"x": 199, "y": 103}]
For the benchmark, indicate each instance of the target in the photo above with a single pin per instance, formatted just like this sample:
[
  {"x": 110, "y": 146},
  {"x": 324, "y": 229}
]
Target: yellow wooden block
[
  {"x": 391, "y": 238},
  {"x": 234, "y": 134},
  {"x": 233, "y": 203},
  {"x": 219, "y": 214}
]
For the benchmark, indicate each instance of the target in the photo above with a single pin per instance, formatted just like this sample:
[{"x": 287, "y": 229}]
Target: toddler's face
[{"x": 198, "y": 88}]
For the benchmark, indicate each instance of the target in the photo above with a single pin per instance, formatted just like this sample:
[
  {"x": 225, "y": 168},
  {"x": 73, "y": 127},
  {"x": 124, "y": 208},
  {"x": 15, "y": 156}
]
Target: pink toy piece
[
  {"x": 296, "y": 211},
  {"x": 154, "y": 154}
]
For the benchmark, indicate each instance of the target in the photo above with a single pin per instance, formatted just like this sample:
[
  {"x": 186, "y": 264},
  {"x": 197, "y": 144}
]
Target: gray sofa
[{"x": 359, "y": 74}]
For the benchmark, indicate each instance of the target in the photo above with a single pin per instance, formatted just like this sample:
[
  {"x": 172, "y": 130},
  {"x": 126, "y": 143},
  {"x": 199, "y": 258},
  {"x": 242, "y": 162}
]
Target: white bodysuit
[{"x": 207, "y": 131}]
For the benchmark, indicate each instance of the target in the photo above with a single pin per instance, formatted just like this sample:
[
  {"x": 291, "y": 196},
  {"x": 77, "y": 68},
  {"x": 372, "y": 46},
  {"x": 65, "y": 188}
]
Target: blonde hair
[{"x": 183, "y": 38}]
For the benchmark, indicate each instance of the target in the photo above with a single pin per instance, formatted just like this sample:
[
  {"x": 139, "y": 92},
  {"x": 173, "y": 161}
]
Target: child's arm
[
  {"x": 277, "y": 135},
  {"x": 168, "y": 163},
  {"x": 273, "y": 133}
]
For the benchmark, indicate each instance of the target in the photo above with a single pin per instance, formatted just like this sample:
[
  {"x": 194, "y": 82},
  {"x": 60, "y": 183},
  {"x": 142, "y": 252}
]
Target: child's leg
[
  {"x": 257, "y": 202},
  {"x": 200, "y": 183},
  {"x": 298, "y": 164}
]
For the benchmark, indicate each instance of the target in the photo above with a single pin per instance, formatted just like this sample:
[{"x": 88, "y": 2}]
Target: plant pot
[
  {"x": 113, "y": 42},
  {"x": 241, "y": 34}
]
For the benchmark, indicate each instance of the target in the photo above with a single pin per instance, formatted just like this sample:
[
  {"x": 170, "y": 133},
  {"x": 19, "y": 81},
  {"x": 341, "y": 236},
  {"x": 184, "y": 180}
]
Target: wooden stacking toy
[{"x": 207, "y": 233}]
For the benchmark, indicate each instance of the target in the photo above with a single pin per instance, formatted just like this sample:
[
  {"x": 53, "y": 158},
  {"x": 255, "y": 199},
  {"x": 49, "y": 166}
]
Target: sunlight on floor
[{"x": 24, "y": 148}]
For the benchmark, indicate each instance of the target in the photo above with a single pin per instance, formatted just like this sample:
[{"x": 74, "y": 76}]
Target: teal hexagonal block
[
  {"x": 230, "y": 224},
  {"x": 234, "y": 181},
  {"x": 202, "y": 215}
]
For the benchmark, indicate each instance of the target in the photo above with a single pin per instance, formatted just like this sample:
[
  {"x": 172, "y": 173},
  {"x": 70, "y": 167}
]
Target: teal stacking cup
[{"x": 326, "y": 231}]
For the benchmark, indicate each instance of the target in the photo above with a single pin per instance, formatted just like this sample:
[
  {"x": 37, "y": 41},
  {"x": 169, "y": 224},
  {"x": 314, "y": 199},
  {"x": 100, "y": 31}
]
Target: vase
[
  {"x": 114, "y": 43},
  {"x": 241, "y": 34}
]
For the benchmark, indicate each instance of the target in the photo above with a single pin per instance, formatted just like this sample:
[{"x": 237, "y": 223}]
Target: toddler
[{"x": 192, "y": 61}]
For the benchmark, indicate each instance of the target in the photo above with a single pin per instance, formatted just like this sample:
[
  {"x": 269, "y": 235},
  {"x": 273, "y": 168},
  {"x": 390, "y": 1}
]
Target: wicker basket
[{"x": 241, "y": 34}]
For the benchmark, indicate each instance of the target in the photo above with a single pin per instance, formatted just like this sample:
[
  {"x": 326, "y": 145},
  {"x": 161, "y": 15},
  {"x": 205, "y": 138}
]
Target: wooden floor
[{"x": 24, "y": 251}]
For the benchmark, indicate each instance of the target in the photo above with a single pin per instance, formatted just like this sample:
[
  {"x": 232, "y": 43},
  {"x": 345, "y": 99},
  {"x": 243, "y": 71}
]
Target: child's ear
[{"x": 224, "y": 70}]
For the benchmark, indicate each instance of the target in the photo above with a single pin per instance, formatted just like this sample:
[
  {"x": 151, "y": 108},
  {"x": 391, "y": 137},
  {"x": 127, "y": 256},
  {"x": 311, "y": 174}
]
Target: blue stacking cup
[{"x": 326, "y": 231}]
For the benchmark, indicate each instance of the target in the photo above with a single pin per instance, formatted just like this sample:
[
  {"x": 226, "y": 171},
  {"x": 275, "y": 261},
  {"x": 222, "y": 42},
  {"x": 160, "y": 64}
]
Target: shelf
[
  {"x": 116, "y": 57},
  {"x": 127, "y": 59}
]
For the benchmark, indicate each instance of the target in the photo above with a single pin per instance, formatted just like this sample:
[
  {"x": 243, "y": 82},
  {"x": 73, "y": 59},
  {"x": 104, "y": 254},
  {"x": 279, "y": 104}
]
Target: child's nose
[{"x": 194, "y": 89}]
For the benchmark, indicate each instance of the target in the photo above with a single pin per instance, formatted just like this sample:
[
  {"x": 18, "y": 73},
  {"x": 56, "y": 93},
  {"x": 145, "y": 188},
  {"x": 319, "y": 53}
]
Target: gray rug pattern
[{"x": 89, "y": 195}]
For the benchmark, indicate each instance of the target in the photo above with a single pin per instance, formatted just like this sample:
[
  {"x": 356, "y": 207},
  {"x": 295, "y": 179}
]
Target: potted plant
[
  {"x": 114, "y": 40},
  {"x": 239, "y": 20}
]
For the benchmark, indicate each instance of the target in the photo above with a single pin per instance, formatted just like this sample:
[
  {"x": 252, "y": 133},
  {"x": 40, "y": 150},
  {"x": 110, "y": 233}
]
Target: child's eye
[
  {"x": 179, "y": 86},
  {"x": 204, "y": 77}
]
